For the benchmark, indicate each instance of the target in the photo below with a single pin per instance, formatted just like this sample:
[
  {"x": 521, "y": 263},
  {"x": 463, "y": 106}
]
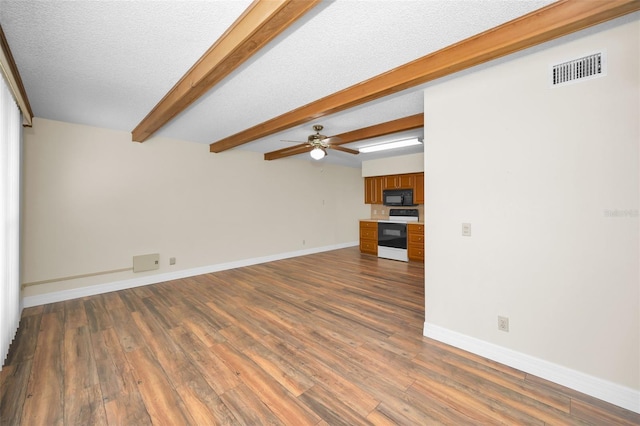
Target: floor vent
[{"x": 585, "y": 68}]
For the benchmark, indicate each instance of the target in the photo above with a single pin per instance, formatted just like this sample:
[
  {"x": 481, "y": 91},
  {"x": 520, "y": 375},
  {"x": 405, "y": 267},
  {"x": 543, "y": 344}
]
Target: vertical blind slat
[{"x": 10, "y": 135}]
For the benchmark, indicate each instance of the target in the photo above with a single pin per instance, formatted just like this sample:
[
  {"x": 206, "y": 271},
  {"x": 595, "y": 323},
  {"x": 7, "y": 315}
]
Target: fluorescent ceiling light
[{"x": 391, "y": 145}]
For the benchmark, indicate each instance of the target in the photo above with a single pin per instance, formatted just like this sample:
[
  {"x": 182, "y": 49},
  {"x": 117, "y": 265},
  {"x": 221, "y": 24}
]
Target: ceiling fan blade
[
  {"x": 332, "y": 140},
  {"x": 343, "y": 149},
  {"x": 285, "y": 140}
]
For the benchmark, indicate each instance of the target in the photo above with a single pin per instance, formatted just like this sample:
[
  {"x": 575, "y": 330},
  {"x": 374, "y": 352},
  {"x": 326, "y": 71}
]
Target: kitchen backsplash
[{"x": 379, "y": 211}]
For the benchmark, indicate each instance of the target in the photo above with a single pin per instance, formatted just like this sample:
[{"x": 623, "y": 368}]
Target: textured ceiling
[{"x": 108, "y": 63}]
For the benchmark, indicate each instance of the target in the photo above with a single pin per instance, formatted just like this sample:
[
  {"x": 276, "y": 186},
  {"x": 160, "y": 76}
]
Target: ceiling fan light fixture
[
  {"x": 317, "y": 153},
  {"x": 391, "y": 145}
]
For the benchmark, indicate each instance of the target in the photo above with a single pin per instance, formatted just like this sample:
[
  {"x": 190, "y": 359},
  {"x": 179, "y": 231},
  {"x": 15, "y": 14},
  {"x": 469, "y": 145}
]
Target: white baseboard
[
  {"x": 607, "y": 391},
  {"x": 59, "y": 296}
]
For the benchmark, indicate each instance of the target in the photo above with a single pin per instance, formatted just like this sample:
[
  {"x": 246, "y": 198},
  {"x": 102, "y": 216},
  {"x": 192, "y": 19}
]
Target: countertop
[{"x": 388, "y": 220}]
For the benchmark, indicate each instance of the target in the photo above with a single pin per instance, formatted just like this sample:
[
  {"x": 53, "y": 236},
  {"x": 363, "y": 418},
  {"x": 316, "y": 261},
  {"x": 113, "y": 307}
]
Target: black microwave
[{"x": 397, "y": 197}]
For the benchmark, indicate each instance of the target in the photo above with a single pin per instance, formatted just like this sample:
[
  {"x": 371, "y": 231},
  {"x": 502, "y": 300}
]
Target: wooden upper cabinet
[
  {"x": 418, "y": 189},
  {"x": 389, "y": 182},
  {"x": 374, "y": 185},
  {"x": 407, "y": 181},
  {"x": 373, "y": 189},
  {"x": 399, "y": 181},
  {"x": 369, "y": 189}
]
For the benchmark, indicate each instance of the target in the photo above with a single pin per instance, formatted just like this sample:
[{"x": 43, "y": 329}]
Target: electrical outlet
[
  {"x": 503, "y": 323},
  {"x": 466, "y": 229},
  {"x": 172, "y": 261}
]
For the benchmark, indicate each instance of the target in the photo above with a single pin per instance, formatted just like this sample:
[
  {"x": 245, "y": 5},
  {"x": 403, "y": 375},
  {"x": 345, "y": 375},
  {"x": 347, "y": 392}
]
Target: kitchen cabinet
[
  {"x": 399, "y": 181},
  {"x": 369, "y": 237},
  {"x": 418, "y": 189},
  {"x": 373, "y": 189},
  {"x": 415, "y": 241},
  {"x": 374, "y": 185}
]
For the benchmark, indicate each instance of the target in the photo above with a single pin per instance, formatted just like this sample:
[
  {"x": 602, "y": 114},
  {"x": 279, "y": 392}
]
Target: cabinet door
[
  {"x": 415, "y": 252},
  {"x": 415, "y": 238},
  {"x": 369, "y": 185},
  {"x": 369, "y": 247},
  {"x": 406, "y": 181},
  {"x": 369, "y": 237},
  {"x": 415, "y": 246},
  {"x": 377, "y": 196},
  {"x": 373, "y": 186},
  {"x": 369, "y": 234},
  {"x": 373, "y": 190},
  {"x": 390, "y": 182},
  {"x": 399, "y": 181},
  {"x": 418, "y": 189},
  {"x": 415, "y": 228}
]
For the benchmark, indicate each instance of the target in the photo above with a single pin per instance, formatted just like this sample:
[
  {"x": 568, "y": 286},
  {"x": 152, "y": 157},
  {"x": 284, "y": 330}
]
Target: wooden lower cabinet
[
  {"x": 369, "y": 237},
  {"x": 415, "y": 241}
]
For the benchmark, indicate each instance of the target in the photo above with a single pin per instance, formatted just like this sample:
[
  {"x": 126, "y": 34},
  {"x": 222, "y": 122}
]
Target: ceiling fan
[{"x": 320, "y": 143}]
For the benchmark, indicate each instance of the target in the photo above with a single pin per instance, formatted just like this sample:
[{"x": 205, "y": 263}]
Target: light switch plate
[{"x": 466, "y": 229}]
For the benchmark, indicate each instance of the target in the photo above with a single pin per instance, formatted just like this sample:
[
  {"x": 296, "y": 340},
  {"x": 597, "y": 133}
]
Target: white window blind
[{"x": 10, "y": 136}]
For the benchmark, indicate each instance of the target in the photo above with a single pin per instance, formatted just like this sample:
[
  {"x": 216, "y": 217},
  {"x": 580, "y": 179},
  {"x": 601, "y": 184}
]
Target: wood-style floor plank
[
  {"x": 332, "y": 338},
  {"x": 13, "y": 392},
  {"x": 82, "y": 393},
  {"x": 160, "y": 398},
  {"x": 122, "y": 399},
  {"x": 44, "y": 403},
  {"x": 329, "y": 408},
  {"x": 342, "y": 388},
  {"x": 247, "y": 408},
  {"x": 284, "y": 405},
  {"x": 281, "y": 370}
]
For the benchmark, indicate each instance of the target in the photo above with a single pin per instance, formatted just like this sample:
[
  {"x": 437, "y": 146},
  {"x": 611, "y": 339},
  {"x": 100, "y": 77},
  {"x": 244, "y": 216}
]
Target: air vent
[{"x": 581, "y": 69}]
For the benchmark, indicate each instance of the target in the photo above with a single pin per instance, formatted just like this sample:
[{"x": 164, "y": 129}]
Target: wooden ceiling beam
[
  {"x": 287, "y": 152},
  {"x": 382, "y": 129},
  {"x": 548, "y": 23},
  {"x": 260, "y": 23}
]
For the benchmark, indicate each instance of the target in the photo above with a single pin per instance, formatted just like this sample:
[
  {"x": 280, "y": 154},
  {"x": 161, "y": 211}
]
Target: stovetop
[{"x": 403, "y": 215}]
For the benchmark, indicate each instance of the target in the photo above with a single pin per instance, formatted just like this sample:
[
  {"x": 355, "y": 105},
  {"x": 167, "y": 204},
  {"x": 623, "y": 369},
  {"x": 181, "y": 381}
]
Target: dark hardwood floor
[{"x": 327, "y": 339}]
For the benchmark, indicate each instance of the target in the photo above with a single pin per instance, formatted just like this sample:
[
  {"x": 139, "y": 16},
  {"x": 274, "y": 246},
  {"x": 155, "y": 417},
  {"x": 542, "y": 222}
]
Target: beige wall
[
  {"x": 539, "y": 172},
  {"x": 93, "y": 199},
  {"x": 411, "y": 163}
]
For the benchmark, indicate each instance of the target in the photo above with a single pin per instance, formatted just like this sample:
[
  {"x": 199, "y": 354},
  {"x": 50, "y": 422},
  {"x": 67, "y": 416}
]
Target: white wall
[
  {"x": 411, "y": 163},
  {"x": 539, "y": 172},
  {"x": 93, "y": 199}
]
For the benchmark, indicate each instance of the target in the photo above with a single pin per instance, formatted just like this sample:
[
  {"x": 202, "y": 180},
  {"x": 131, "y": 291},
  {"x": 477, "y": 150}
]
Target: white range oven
[{"x": 392, "y": 234}]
